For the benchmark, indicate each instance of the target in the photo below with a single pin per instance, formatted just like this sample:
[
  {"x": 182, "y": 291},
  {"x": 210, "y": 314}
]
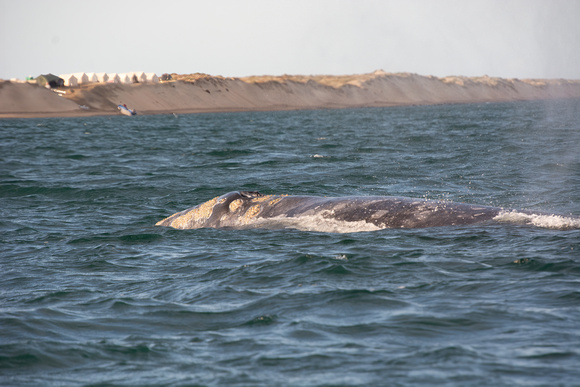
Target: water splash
[{"x": 555, "y": 222}]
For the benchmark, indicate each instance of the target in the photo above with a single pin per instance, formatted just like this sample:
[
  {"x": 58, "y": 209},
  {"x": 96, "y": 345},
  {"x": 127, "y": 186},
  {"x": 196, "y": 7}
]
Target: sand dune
[
  {"x": 28, "y": 100},
  {"x": 204, "y": 93}
]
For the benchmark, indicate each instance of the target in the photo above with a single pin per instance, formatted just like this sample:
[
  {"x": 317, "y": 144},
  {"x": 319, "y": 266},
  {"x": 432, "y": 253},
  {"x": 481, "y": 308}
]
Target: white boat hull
[{"x": 126, "y": 111}]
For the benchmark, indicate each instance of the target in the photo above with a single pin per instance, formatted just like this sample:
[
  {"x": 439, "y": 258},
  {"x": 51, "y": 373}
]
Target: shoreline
[{"x": 201, "y": 93}]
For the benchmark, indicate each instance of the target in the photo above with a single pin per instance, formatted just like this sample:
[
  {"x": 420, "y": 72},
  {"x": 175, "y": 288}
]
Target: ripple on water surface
[{"x": 93, "y": 293}]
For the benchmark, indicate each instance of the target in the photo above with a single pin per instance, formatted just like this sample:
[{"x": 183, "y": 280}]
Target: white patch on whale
[{"x": 316, "y": 223}]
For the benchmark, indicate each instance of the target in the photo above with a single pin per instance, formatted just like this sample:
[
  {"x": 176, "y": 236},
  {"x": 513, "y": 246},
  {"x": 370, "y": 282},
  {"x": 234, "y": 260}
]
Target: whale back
[{"x": 250, "y": 209}]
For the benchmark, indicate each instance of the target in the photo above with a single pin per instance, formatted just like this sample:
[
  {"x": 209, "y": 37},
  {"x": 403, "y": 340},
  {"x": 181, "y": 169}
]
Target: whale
[{"x": 252, "y": 209}]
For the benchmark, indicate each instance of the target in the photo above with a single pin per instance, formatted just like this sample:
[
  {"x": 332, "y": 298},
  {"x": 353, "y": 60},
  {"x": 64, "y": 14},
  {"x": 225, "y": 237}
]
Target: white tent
[
  {"x": 69, "y": 80},
  {"x": 102, "y": 77},
  {"x": 92, "y": 77},
  {"x": 125, "y": 78},
  {"x": 113, "y": 78},
  {"x": 152, "y": 78},
  {"x": 138, "y": 77},
  {"x": 82, "y": 78}
]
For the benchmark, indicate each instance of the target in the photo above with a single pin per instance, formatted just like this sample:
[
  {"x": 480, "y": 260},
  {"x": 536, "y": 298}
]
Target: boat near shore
[{"x": 126, "y": 111}]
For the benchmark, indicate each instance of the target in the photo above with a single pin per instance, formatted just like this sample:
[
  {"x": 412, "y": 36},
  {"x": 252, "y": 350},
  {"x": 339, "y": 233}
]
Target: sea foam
[{"x": 556, "y": 222}]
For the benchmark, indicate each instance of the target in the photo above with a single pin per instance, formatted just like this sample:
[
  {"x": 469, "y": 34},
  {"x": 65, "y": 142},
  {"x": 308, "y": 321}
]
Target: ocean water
[{"x": 93, "y": 294}]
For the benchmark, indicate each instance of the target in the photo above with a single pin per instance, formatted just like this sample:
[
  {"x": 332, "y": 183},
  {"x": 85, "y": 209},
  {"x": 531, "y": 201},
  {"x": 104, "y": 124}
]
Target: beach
[{"x": 197, "y": 93}]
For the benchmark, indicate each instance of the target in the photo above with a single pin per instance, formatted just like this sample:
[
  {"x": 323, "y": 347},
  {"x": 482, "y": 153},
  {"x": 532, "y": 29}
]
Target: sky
[{"x": 234, "y": 38}]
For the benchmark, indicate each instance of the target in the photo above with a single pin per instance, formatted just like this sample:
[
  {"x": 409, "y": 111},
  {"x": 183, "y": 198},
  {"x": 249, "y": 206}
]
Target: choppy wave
[{"x": 93, "y": 294}]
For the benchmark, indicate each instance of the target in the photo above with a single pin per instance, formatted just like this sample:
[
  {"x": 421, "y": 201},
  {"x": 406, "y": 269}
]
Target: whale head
[{"x": 233, "y": 209}]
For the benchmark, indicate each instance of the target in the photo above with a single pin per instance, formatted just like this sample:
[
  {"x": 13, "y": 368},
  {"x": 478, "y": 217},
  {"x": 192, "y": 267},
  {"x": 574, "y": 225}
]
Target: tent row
[{"x": 76, "y": 79}]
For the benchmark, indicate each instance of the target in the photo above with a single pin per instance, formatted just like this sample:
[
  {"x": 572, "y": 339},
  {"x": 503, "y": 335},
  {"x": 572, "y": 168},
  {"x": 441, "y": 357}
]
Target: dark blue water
[{"x": 92, "y": 293}]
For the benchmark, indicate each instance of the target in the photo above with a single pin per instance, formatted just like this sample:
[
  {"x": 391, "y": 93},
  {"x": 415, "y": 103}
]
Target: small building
[
  {"x": 113, "y": 78},
  {"x": 138, "y": 77},
  {"x": 152, "y": 78},
  {"x": 102, "y": 77},
  {"x": 69, "y": 80},
  {"x": 92, "y": 77},
  {"x": 166, "y": 77},
  {"x": 125, "y": 78},
  {"x": 49, "y": 80},
  {"x": 81, "y": 78}
]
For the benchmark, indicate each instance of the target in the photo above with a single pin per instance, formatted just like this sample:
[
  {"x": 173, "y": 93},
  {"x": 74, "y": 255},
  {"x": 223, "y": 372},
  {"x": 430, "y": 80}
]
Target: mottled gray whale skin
[{"x": 245, "y": 209}]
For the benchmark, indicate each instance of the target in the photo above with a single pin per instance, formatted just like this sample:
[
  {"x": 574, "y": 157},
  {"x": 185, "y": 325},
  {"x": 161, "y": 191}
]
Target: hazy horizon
[{"x": 509, "y": 39}]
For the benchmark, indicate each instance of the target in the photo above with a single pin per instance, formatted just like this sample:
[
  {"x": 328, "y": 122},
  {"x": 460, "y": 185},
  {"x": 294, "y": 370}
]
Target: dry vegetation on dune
[
  {"x": 195, "y": 77},
  {"x": 359, "y": 80},
  {"x": 335, "y": 81},
  {"x": 199, "y": 92}
]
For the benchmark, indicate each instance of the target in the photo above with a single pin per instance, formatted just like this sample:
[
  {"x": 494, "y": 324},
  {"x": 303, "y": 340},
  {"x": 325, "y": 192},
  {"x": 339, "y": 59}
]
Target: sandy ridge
[{"x": 204, "y": 93}]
